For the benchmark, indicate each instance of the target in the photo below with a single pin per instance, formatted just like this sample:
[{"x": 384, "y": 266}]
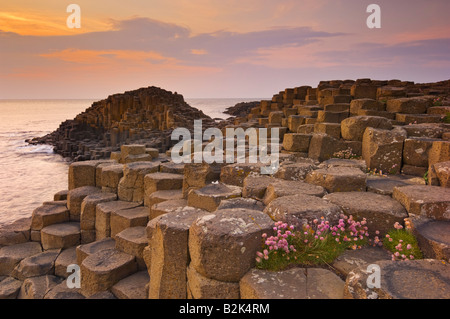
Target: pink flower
[{"x": 408, "y": 246}]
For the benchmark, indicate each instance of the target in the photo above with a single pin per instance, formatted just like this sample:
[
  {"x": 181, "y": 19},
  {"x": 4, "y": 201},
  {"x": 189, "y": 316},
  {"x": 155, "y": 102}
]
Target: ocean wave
[{"x": 35, "y": 149}]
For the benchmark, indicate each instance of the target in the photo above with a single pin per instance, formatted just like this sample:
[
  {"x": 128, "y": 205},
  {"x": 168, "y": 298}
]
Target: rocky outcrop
[
  {"x": 145, "y": 115},
  {"x": 141, "y": 226}
]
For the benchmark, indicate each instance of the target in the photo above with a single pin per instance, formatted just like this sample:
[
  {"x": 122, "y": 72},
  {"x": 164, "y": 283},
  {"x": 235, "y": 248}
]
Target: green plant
[
  {"x": 346, "y": 154},
  {"x": 438, "y": 101},
  {"x": 402, "y": 243},
  {"x": 425, "y": 177},
  {"x": 316, "y": 243},
  {"x": 447, "y": 118}
]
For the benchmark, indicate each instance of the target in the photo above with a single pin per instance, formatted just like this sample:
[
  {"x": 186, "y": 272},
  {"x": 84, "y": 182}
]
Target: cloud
[{"x": 166, "y": 39}]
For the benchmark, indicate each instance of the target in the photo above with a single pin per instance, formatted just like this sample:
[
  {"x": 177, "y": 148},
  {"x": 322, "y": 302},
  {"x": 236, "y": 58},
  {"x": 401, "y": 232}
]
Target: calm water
[{"x": 30, "y": 175}]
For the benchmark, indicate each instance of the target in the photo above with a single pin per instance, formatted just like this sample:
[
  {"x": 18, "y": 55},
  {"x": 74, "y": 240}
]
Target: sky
[{"x": 215, "y": 48}]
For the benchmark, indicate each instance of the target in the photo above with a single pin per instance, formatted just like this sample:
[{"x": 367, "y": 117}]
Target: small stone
[
  {"x": 300, "y": 209},
  {"x": 433, "y": 237},
  {"x": 281, "y": 188},
  {"x": 123, "y": 219},
  {"x": 47, "y": 215},
  {"x": 201, "y": 287},
  {"x": 132, "y": 287},
  {"x": 60, "y": 236},
  {"x": 11, "y": 256},
  {"x": 9, "y": 288},
  {"x": 209, "y": 197},
  {"x": 61, "y": 291},
  {"x": 339, "y": 179},
  {"x": 422, "y": 200},
  {"x": 37, "y": 287},
  {"x": 352, "y": 259},
  {"x": 75, "y": 199},
  {"x": 103, "y": 269},
  {"x": 65, "y": 259},
  {"x": 37, "y": 265},
  {"x": 431, "y": 281},
  {"x": 247, "y": 203},
  {"x": 84, "y": 251}
]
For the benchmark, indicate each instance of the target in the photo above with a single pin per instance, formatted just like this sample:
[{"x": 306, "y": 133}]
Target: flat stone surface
[
  {"x": 353, "y": 128},
  {"x": 84, "y": 251},
  {"x": 364, "y": 257},
  {"x": 10, "y": 256},
  {"x": 162, "y": 196},
  {"x": 103, "y": 216},
  {"x": 162, "y": 181},
  {"x": 339, "y": 162},
  {"x": 300, "y": 209},
  {"x": 200, "y": 287},
  {"x": 132, "y": 287},
  {"x": 172, "y": 168},
  {"x": 103, "y": 269},
  {"x": 410, "y": 279},
  {"x": 66, "y": 257},
  {"x": 422, "y": 200},
  {"x": 381, "y": 211},
  {"x": 47, "y": 215},
  {"x": 281, "y": 188},
  {"x": 37, "y": 287},
  {"x": 61, "y": 291},
  {"x": 294, "y": 171},
  {"x": 75, "y": 199},
  {"x": 132, "y": 241},
  {"x": 88, "y": 208},
  {"x": 9, "y": 288},
  {"x": 433, "y": 237},
  {"x": 209, "y": 197},
  {"x": 430, "y": 130},
  {"x": 122, "y": 219},
  {"x": 255, "y": 186},
  {"x": 247, "y": 203},
  {"x": 37, "y": 265},
  {"x": 62, "y": 236},
  {"x": 15, "y": 233},
  {"x": 131, "y": 186},
  {"x": 223, "y": 244},
  {"x": 339, "y": 179},
  {"x": 297, "y": 283},
  {"x": 235, "y": 174},
  {"x": 383, "y": 185},
  {"x": 166, "y": 207}
]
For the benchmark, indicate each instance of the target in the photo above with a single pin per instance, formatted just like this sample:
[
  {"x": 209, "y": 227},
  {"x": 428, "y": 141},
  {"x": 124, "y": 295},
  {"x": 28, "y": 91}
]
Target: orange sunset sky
[{"x": 227, "y": 48}]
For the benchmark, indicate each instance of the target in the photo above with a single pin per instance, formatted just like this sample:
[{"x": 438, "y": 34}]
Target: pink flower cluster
[
  {"x": 401, "y": 252},
  {"x": 279, "y": 242}
]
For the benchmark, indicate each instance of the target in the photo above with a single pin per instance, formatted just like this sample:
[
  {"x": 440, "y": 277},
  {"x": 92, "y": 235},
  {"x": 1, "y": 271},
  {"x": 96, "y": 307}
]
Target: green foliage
[
  {"x": 316, "y": 244},
  {"x": 447, "y": 118},
  {"x": 402, "y": 243}
]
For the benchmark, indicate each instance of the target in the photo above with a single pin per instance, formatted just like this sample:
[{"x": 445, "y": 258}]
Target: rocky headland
[{"x": 140, "y": 226}]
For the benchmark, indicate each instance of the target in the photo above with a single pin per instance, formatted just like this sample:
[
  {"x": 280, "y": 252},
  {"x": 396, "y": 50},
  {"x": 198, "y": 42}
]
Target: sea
[{"x": 32, "y": 174}]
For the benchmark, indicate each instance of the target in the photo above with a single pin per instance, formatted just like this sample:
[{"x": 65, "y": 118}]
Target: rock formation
[{"x": 140, "y": 226}]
